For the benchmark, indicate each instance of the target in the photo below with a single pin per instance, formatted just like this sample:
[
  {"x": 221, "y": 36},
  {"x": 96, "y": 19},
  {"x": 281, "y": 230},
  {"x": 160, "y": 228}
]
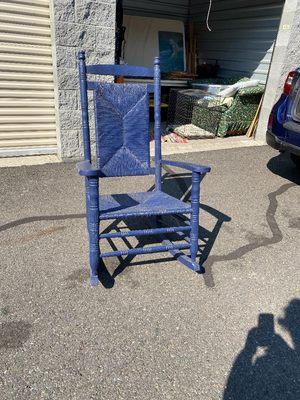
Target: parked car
[{"x": 283, "y": 132}]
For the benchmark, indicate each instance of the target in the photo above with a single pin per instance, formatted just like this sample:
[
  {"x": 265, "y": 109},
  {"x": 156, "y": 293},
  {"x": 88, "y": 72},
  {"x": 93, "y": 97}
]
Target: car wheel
[{"x": 295, "y": 159}]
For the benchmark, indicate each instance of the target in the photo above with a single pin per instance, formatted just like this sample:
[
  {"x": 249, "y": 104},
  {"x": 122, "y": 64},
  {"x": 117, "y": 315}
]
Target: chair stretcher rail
[
  {"x": 115, "y": 215},
  {"x": 146, "y": 250},
  {"x": 155, "y": 231}
]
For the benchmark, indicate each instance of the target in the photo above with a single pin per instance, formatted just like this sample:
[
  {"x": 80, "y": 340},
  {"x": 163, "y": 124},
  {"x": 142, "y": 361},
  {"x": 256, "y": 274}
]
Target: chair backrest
[{"x": 121, "y": 113}]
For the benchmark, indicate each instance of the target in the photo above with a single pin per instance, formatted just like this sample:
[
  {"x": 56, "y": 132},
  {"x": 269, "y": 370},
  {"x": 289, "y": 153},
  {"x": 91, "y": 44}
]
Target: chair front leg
[
  {"x": 93, "y": 228},
  {"x": 86, "y": 180},
  {"x": 194, "y": 235}
]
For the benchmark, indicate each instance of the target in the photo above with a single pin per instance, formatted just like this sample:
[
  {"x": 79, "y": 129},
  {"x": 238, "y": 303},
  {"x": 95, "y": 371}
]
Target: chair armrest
[
  {"x": 85, "y": 168},
  {"x": 201, "y": 169}
]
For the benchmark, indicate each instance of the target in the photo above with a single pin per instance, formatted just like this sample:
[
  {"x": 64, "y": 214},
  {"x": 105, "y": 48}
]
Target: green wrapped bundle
[{"x": 231, "y": 115}]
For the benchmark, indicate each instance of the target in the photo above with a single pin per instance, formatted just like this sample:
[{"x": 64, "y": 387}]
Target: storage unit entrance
[{"x": 215, "y": 58}]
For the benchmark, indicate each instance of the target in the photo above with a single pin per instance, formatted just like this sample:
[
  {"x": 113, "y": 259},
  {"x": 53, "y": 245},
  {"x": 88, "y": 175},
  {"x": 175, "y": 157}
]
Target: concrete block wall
[
  {"x": 292, "y": 53},
  {"x": 286, "y": 57},
  {"x": 78, "y": 24}
]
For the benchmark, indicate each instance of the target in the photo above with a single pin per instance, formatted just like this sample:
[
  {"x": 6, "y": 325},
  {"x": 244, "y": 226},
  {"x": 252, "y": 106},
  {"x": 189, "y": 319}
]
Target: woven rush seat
[{"x": 139, "y": 204}]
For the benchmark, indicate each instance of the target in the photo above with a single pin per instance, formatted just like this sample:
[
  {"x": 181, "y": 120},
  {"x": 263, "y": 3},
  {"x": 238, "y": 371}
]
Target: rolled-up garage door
[{"x": 27, "y": 112}]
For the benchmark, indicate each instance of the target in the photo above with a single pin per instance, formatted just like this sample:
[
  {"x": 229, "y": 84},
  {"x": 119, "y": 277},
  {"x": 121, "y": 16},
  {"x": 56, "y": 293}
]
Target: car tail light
[
  {"x": 288, "y": 83},
  {"x": 270, "y": 122}
]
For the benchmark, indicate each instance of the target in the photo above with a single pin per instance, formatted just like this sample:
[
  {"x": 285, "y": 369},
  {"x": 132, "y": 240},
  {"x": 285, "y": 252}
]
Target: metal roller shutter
[
  {"x": 27, "y": 111},
  {"x": 242, "y": 37},
  {"x": 176, "y": 9}
]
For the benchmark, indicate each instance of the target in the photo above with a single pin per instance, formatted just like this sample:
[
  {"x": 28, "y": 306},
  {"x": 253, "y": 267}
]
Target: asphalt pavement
[{"x": 153, "y": 329}]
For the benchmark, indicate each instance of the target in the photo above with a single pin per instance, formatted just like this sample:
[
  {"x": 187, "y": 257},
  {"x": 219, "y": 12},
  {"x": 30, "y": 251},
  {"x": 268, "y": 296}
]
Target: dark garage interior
[{"x": 205, "y": 47}]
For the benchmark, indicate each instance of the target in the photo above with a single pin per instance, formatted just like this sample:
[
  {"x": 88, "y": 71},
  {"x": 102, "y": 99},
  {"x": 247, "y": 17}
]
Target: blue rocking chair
[{"x": 121, "y": 113}]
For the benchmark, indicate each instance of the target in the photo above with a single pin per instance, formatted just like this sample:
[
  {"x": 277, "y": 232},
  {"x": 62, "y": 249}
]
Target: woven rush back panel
[{"x": 122, "y": 129}]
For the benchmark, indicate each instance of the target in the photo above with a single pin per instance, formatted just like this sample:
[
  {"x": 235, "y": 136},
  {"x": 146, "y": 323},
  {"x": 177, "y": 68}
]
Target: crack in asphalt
[
  {"x": 40, "y": 218},
  {"x": 261, "y": 241},
  {"x": 208, "y": 261},
  {"x": 276, "y": 237}
]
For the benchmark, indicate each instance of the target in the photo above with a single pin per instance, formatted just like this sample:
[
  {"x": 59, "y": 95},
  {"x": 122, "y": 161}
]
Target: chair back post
[
  {"x": 157, "y": 123},
  {"x": 84, "y": 105}
]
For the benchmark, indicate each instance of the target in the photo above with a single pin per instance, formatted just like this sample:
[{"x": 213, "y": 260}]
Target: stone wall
[
  {"x": 286, "y": 57},
  {"x": 292, "y": 53},
  {"x": 78, "y": 24}
]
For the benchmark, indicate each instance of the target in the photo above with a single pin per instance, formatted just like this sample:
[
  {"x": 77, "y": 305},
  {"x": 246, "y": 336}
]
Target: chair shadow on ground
[
  {"x": 268, "y": 368},
  {"x": 176, "y": 185}
]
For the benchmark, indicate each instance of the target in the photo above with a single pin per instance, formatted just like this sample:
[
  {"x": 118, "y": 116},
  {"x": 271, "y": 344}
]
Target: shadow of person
[
  {"x": 268, "y": 368},
  {"x": 282, "y": 165}
]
